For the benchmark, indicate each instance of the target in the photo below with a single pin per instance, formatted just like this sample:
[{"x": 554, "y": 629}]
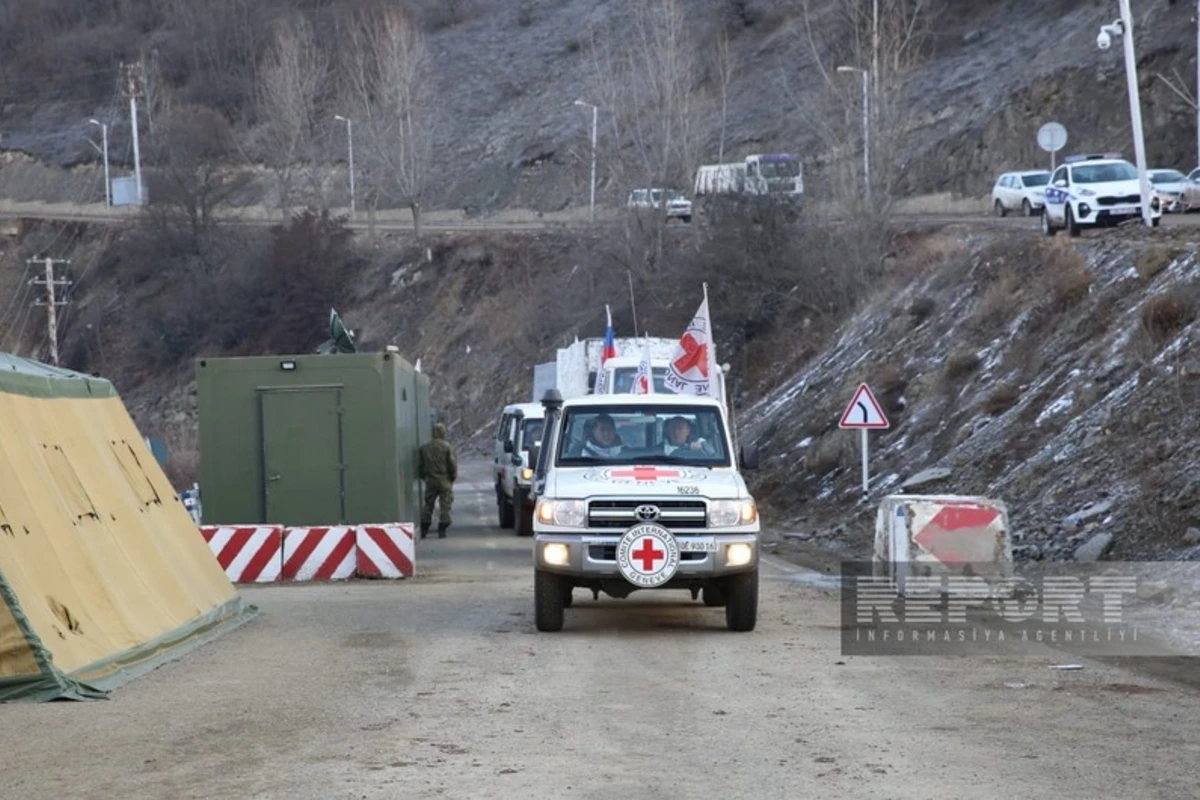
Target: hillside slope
[
  {"x": 975, "y": 87},
  {"x": 1061, "y": 377}
]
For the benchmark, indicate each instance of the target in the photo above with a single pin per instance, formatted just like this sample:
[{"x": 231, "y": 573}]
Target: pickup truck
[{"x": 640, "y": 492}]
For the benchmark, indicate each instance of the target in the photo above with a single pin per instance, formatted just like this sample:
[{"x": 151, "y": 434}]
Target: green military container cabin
[{"x": 311, "y": 439}]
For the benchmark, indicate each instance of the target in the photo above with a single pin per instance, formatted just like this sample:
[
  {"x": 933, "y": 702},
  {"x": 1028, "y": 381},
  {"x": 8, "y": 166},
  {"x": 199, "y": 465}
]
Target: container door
[{"x": 303, "y": 473}]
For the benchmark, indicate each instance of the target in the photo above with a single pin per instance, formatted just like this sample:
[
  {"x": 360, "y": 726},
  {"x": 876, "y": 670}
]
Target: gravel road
[{"x": 440, "y": 687}]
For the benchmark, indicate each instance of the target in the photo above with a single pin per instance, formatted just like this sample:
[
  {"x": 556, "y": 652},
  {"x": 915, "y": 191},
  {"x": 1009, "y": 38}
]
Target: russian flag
[
  {"x": 608, "y": 351},
  {"x": 610, "y": 340}
]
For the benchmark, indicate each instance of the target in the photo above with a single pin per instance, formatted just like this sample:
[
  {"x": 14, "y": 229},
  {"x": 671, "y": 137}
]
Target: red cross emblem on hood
[{"x": 645, "y": 473}]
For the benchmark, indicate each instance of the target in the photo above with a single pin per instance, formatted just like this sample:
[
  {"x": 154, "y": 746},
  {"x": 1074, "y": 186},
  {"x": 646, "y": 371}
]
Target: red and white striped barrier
[
  {"x": 270, "y": 553},
  {"x": 247, "y": 553},
  {"x": 318, "y": 554},
  {"x": 385, "y": 551}
]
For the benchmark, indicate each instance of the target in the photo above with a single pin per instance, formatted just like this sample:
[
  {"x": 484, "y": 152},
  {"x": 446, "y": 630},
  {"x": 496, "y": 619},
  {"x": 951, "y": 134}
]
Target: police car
[{"x": 1091, "y": 191}]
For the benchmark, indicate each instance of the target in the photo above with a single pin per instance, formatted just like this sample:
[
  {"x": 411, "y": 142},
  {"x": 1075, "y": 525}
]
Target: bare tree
[
  {"x": 388, "y": 71},
  {"x": 844, "y": 33},
  {"x": 647, "y": 79},
  {"x": 293, "y": 75},
  {"x": 191, "y": 153},
  {"x": 724, "y": 67}
]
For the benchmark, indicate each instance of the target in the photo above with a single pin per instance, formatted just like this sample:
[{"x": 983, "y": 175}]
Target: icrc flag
[
  {"x": 693, "y": 367},
  {"x": 644, "y": 382}
]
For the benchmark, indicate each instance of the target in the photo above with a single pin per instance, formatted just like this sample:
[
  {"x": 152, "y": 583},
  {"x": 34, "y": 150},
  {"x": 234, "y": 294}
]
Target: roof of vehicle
[
  {"x": 526, "y": 409},
  {"x": 1164, "y": 169},
  {"x": 642, "y": 399}
]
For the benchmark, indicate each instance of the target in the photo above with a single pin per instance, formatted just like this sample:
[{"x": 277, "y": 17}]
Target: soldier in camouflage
[{"x": 439, "y": 469}]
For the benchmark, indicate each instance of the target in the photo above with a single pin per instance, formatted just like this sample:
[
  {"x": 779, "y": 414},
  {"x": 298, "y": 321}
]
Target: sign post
[
  {"x": 1052, "y": 137},
  {"x": 864, "y": 414}
]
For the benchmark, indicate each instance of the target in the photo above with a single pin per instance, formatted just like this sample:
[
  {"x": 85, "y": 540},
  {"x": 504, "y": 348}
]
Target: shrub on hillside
[
  {"x": 1001, "y": 399},
  {"x": 960, "y": 364},
  {"x": 308, "y": 270},
  {"x": 1166, "y": 314},
  {"x": 1152, "y": 262}
]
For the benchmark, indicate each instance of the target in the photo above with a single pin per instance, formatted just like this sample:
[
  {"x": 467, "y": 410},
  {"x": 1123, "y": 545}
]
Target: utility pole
[
  {"x": 875, "y": 45},
  {"x": 133, "y": 87},
  {"x": 52, "y": 302}
]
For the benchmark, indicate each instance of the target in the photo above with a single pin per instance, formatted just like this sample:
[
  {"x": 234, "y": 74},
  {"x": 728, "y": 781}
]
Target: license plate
[{"x": 697, "y": 546}]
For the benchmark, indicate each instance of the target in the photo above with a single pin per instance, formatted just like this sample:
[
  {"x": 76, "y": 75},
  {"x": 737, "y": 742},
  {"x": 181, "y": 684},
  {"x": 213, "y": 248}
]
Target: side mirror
[
  {"x": 1061, "y": 183},
  {"x": 508, "y": 447},
  {"x": 749, "y": 457}
]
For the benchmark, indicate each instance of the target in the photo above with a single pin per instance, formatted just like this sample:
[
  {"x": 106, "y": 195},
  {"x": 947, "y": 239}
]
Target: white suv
[
  {"x": 1023, "y": 191},
  {"x": 1092, "y": 192},
  {"x": 518, "y": 431},
  {"x": 677, "y": 206}
]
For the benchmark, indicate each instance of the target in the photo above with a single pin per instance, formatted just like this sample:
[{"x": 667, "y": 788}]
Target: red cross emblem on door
[{"x": 645, "y": 473}]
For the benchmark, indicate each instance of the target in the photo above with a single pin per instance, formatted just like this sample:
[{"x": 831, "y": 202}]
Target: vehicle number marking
[
  {"x": 697, "y": 546},
  {"x": 688, "y": 489}
]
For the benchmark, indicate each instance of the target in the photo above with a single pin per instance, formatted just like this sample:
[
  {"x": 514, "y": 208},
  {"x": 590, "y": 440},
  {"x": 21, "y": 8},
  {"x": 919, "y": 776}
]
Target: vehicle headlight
[
  {"x": 526, "y": 474},
  {"x": 567, "y": 513},
  {"x": 727, "y": 513},
  {"x": 556, "y": 554},
  {"x": 738, "y": 554}
]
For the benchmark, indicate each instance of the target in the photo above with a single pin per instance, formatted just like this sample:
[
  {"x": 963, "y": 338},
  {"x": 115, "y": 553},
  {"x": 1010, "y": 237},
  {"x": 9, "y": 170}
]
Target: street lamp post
[
  {"x": 866, "y": 121},
  {"x": 104, "y": 138},
  {"x": 592, "y": 202},
  {"x": 350, "y": 146},
  {"x": 1123, "y": 27}
]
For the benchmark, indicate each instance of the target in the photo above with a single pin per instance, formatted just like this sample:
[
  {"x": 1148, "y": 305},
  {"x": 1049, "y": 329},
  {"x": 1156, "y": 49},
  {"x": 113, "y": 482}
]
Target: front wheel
[
  {"x": 1072, "y": 225},
  {"x": 1027, "y": 208},
  {"x": 741, "y": 606},
  {"x": 550, "y": 594},
  {"x": 524, "y": 522},
  {"x": 1047, "y": 226},
  {"x": 1001, "y": 211},
  {"x": 505, "y": 510}
]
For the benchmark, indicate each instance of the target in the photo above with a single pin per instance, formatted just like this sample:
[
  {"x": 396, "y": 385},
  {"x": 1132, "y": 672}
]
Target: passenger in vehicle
[{"x": 603, "y": 442}]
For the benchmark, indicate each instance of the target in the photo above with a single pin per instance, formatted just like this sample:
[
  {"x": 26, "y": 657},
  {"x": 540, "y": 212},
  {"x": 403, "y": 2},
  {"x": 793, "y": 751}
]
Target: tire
[
  {"x": 1154, "y": 221},
  {"x": 524, "y": 523},
  {"x": 1072, "y": 225},
  {"x": 1026, "y": 208},
  {"x": 1001, "y": 211},
  {"x": 568, "y": 599},
  {"x": 712, "y": 596},
  {"x": 1047, "y": 226},
  {"x": 505, "y": 511},
  {"x": 741, "y": 607},
  {"x": 549, "y": 599},
  {"x": 687, "y": 219}
]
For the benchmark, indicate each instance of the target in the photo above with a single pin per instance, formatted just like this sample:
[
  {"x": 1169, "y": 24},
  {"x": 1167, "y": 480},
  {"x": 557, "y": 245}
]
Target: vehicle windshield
[
  {"x": 1040, "y": 179},
  {"x": 779, "y": 169},
  {"x": 1166, "y": 176},
  {"x": 642, "y": 435},
  {"x": 531, "y": 433},
  {"x": 623, "y": 378},
  {"x": 1103, "y": 173}
]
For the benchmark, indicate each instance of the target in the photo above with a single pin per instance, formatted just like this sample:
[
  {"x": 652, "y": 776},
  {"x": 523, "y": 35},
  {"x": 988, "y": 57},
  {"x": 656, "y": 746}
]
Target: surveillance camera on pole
[{"x": 1123, "y": 27}]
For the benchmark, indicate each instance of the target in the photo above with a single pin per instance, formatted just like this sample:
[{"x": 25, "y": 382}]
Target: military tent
[{"x": 103, "y": 574}]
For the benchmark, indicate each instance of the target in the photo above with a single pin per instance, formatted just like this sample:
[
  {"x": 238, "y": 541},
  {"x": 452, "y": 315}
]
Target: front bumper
[{"x": 594, "y": 555}]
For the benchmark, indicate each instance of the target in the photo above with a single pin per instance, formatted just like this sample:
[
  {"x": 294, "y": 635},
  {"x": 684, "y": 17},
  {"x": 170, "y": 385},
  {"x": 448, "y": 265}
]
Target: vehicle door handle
[{"x": 273, "y": 478}]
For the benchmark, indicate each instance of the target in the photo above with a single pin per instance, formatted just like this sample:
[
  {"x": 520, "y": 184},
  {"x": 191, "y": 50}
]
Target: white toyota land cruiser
[{"x": 643, "y": 492}]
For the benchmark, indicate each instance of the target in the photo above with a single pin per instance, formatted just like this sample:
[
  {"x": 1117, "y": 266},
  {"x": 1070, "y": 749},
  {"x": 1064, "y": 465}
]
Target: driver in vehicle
[{"x": 679, "y": 437}]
